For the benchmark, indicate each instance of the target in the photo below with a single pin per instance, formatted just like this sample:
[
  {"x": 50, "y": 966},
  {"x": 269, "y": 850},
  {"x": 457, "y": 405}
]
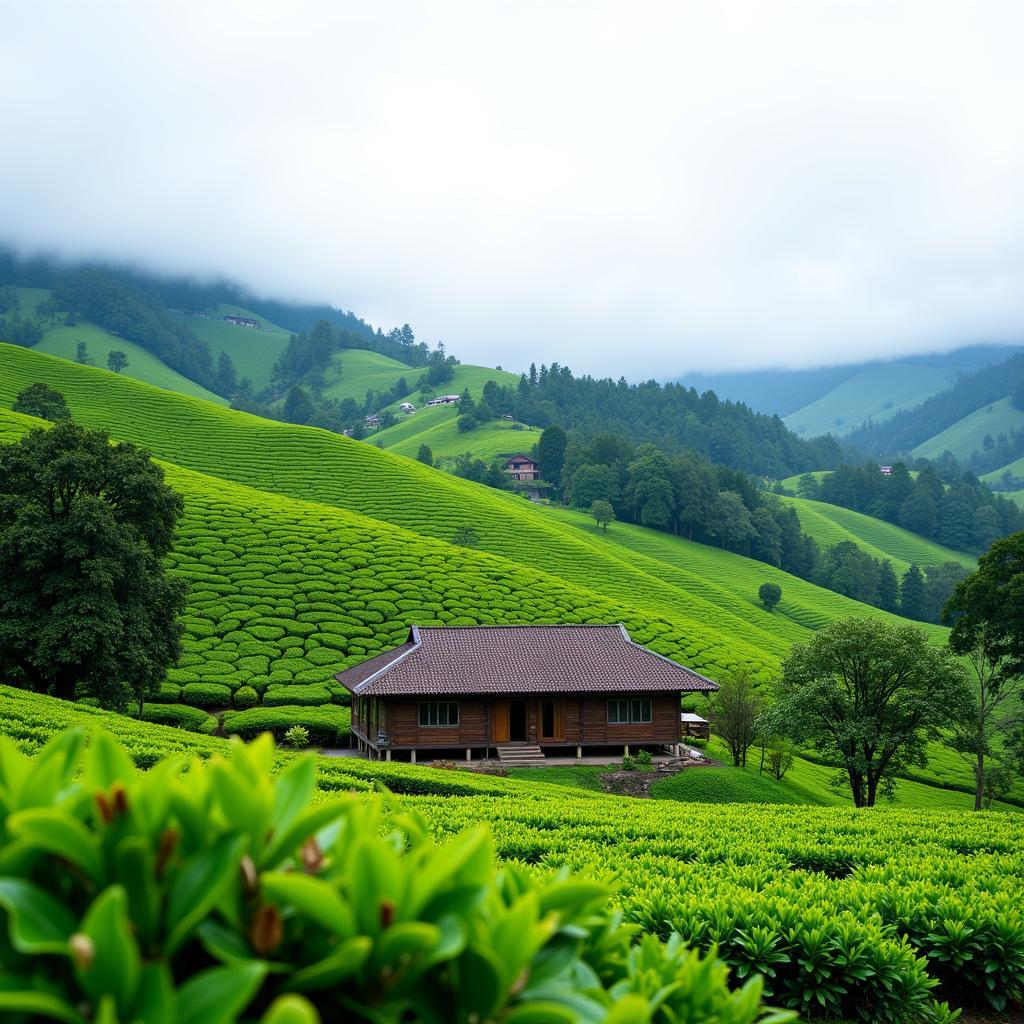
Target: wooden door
[
  {"x": 552, "y": 720},
  {"x": 499, "y": 721}
]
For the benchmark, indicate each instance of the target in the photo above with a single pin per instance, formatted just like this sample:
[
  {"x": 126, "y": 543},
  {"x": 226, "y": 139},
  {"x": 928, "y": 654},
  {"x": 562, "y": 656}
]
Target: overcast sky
[{"x": 629, "y": 188}]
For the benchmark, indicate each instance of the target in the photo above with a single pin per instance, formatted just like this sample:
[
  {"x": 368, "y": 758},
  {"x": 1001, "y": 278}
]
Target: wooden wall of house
[{"x": 584, "y": 718}]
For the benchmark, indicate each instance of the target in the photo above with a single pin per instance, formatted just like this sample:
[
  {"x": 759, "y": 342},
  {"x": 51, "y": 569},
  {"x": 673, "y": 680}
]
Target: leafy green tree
[
  {"x": 298, "y": 408},
  {"x": 425, "y": 455},
  {"x": 85, "y": 602},
  {"x": 116, "y": 360},
  {"x": 591, "y": 483},
  {"x": 990, "y": 603},
  {"x": 82, "y": 354},
  {"x": 920, "y": 513},
  {"x": 869, "y": 695},
  {"x": 551, "y": 454},
  {"x": 913, "y": 604},
  {"x": 42, "y": 401},
  {"x": 888, "y": 587},
  {"x": 731, "y": 522},
  {"x": 1018, "y": 393},
  {"x": 807, "y": 486},
  {"x": 603, "y": 513},
  {"x": 467, "y": 423},
  {"x": 770, "y": 594},
  {"x": 227, "y": 381},
  {"x": 735, "y": 711}
]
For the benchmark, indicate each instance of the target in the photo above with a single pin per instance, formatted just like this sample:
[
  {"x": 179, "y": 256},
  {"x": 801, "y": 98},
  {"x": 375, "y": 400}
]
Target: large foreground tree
[
  {"x": 85, "y": 604},
  {"x": 870, "y": 695}
]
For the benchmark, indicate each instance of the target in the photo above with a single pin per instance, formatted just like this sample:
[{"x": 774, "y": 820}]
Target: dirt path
[{"x": 639, "y": 784}]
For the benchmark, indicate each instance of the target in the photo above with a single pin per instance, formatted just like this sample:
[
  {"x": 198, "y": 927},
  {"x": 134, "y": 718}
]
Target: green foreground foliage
[
  {"x": 870, "y": 915},
  {"x": 219, "y": 894}
]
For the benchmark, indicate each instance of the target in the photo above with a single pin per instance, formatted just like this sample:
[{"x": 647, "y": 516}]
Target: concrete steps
[{"x": 521, "y": 756}]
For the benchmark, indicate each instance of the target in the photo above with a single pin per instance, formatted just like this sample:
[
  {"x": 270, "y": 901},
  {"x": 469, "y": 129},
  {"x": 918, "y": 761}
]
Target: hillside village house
[
  {"x": 522, "y": 467},
  {"x": 519, "y": 691},
  {"x": 243, "y": 321},
  {"x": 444, "y": 400}
]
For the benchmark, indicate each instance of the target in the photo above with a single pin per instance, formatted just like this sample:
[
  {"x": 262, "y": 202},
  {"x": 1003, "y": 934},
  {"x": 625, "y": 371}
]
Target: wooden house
[
  {"x": 522, "y": 467},
  {"x": 449, "y": 691}
]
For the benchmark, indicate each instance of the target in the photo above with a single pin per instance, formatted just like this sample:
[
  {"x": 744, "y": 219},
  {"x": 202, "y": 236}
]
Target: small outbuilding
[
  {"x": 695, "y": 726},
  {"x": 550, "y": 689}
]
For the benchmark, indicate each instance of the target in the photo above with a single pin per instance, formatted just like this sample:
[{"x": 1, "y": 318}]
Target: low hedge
[
  {"x": 206, "y": 695},
  {"x": 169, "y": 693},
  {"x": 245, "y": 697},
  {"x": 308, "y": 695},
  {"x": 327, "y": 725},
  {"x": 182, "y": 716},
  {"x": 221, "y": 895}
]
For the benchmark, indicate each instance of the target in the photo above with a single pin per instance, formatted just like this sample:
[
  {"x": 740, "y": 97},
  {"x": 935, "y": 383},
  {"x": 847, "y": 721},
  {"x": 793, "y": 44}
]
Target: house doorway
[
  {"x": 552, "y": 720},
  {"x": 517, "y": 721}
]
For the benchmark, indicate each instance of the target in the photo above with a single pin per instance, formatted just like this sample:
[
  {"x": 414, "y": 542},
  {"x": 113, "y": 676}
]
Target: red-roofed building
[{"x": 474, "y": 690}]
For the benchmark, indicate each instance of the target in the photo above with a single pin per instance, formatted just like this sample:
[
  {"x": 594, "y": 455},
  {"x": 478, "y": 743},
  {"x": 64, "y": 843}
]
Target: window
[
  {"x": 439, "y": 713},
  {"x": 629, "y": 712}
]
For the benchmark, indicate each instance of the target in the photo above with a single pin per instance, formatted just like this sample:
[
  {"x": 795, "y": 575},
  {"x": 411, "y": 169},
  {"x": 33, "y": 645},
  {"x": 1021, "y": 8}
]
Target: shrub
[
  {"x": 325, "y": 724},
  {"x": 206, "y": 695},
  {"x": 297, "y": 736},
  {"x": 245, "y": 697},
  {"x": 157, "y": 897},
  {"x": 168, "y": 693},
  {"x": 641, "y": 761},
  {"x": 193, "y": 719},
  {"x": 309, "y": 695}
]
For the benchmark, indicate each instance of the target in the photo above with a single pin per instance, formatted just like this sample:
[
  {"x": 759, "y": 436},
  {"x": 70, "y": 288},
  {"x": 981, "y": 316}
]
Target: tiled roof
[{"x": 519, "y": 659}]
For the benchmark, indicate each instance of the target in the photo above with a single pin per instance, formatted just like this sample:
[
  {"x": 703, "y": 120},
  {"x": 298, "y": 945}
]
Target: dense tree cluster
[
  {"x": 19, "y": 330},
  {"x": 687, "y": 495},
  {"x": 671, "y": 416},
  {"x": 963, "y": 514},
  {"x": 909, "y": 428}
]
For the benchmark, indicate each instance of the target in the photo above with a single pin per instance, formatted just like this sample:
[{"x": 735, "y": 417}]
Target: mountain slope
[
  {"x": 968, "y": 435},
  {"x": 832, "y": 524},
  {"x": 705, "y": 597},
  {"x": 874, "y": 393}
]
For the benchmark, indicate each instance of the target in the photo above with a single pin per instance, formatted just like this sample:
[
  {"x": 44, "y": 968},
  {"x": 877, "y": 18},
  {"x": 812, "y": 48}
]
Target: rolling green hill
[
  {"x": 832, "y": 524},
  {"x": 445, "y": 440},
  {"x": 355, "y": 371},
  {"x": 253, "y": 352},
  {"x": 142, "y": 365},
  {"x": 1016, "y": 468},
  {"x": 873, "y": 394},
  {"x": 968, "y": 435},
  {"x": 704, "y": 599}
]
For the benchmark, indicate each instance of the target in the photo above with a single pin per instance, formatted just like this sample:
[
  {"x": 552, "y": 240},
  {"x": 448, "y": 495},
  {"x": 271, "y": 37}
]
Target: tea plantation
[{"x": 868, "y": 915}]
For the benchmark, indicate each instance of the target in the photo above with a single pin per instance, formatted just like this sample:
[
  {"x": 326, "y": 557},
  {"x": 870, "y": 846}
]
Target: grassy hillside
[
  {"x": 831, "y": 524},
  {"x": 704, "y": 598},
  {"x": 967, "y": 435},
  {"x": 28, "y": 300},
  {"x": 1016, "y": 468},
  {"x": 353, "y": 372},
  {"x": 499, "y": 437},
  {"x": 875, "y": 393},
  {"x": 253, "y": 352},
  {"x": 142, "y": 365}
]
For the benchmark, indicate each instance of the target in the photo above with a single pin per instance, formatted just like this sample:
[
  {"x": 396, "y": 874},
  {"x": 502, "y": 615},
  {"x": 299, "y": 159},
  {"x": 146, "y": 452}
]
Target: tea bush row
[
  {"x": 226, "y": 894},
  {"x": 854, "y": 913}
]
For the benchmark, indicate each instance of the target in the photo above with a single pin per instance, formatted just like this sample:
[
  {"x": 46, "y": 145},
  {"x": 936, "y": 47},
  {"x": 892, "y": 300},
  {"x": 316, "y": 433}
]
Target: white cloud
[{"x": 627, "y": 188}]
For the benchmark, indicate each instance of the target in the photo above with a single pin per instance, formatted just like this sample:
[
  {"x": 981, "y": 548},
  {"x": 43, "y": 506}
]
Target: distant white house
[
  {"x": 885, "y": 470},
  {"x": 407, "y": 408},
  {"x": 444, "y": 400},
  {"x": 243, "y": 321},
  {"x": 373, "y": 421}
]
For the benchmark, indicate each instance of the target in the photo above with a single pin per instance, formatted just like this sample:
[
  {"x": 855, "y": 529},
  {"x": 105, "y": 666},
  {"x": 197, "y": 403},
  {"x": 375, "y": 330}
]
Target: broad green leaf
[
  {"x": 291, "y": 1010},
  {"x": 553, "y": 1013},
  {"x": 135, "y": 866},
  {"x": 312, "y": 897},
  {"x": 37, "y": 922},
  {"x": 480, "y": 981},
  {"x": 220, "y": 994},
  {"x": 293, "y": 789},
  {"x": 240, "y": 804},
  {"x": 38, "y": 1004},
  {"x": 154, "y": 1001},
  {"x": 286, "y": 843},
  {"x": 108, "y": 762},
  {"x": 404, "y": 942},
  {"x": 346, "y": 960},
  {"x": 56, "y": 832},
  {"x": 115, "y": 965},
  {"x": 198, "y": 886}
]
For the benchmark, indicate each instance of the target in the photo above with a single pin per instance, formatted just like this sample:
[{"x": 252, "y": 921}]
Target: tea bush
[
  {"x": 245, "y": 697},
  {"x": 861, "y": 910},
  {"x": 327, "y": 726},
  {"x": 226, "y": 895}
]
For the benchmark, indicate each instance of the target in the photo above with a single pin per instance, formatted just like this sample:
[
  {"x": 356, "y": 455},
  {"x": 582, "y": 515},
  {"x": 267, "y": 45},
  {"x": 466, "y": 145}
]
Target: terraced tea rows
[
  {"x": 853, "y": 914},
  {"x": 714, "y": 604},
  {"x": 446, "y": 441},
  {"x": 831, "y": 524},
  {"x": 353, "y": 372}
]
